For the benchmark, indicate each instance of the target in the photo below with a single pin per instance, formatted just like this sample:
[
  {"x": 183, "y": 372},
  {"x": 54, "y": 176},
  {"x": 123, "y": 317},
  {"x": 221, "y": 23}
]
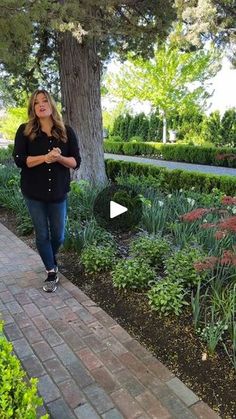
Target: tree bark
[{"x": 81, "y": 101}]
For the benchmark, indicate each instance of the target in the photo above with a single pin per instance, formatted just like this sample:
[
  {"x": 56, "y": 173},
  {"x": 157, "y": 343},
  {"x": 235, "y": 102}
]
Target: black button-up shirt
[{"x": 45, "y": 182}]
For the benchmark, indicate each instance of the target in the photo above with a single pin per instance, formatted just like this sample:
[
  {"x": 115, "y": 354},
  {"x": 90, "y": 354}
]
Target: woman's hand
[{"x": 53, "y": 156}]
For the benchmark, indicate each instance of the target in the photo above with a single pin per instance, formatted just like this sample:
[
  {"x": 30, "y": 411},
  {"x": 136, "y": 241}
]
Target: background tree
[
  {"x": 34, "y": 32},
  {"x": 206, "y": 20},
  {"x": 166, "y": 80},
  {"x": 228, "y": 127},
  {"x": 212, "y": 128}
]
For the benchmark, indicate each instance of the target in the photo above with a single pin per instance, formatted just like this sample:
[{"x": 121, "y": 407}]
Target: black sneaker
[{"x": 50, "y": 284}]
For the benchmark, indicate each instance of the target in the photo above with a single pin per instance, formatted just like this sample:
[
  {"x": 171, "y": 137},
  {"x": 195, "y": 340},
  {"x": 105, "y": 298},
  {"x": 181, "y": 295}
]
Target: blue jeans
[{"x": 49, "y": 221}]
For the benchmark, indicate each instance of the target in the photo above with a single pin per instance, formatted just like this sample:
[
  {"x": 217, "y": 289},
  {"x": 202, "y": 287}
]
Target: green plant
[
  {"x": 180, "y": 266},
  {"x": 81, "y": 200},
  {"x": 231, "y": 349},
  {"x": 18, "y": 396},
  {"x": 152, "y": 249},
  {"x": 154, "y": 217},
  {"x": 167, "y": 297},
  {"x": 81, "y": 234},
  {"x": 213, "y": 331},
  {"x": 132, "y": 273},
  {"x": 197, "y": 303},
  {"x": 98, "y": 258}
]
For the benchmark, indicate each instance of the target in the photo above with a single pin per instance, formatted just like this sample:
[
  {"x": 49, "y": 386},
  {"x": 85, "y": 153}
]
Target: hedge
[
  {"x": 217, "y": 156},
  {"x": 173, "y": 179},
  {"x": 133, "y": 149}
]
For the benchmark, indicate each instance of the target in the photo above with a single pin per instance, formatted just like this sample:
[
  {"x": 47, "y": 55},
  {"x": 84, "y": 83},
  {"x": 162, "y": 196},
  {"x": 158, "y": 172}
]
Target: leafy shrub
[
  {"x": 81, "y": 200},
  {"x": 136, "y": 139},
  {"x": 79, "y": 235},
  {"x": 132, "y": 273},
  {"x": 98, "y": 258},
  {"x": 173, "y": 179},
  {"x": 152, "y": 249},
  {"x": 179, "y": 267},
  {"x": 115, "y": 139},
  {"x": 167, "y": 297},
  {"x": 18, "y": 398},
  {"x": 113, "y": 147}
]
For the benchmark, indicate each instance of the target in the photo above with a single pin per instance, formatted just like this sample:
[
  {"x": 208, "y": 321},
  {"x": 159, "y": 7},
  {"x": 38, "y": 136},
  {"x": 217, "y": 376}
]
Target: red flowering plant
[{"x": 217, "y": 235}]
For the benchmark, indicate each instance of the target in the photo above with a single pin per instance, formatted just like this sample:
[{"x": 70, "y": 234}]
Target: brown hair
[{"x": 33, "y": 125}]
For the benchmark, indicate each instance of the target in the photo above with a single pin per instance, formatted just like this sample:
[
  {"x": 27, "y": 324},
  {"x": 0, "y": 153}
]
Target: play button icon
[{"x": 117, "y": 208}]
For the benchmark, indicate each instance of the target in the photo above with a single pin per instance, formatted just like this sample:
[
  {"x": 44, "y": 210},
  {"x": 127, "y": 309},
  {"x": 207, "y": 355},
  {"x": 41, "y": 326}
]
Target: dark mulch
[{"x": 171, "y": 339}]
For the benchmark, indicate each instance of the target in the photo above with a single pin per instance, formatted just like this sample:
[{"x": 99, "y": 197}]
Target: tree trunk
[
  {"x": 164, "y": 129},
  {"x": 81, "y": 100}
]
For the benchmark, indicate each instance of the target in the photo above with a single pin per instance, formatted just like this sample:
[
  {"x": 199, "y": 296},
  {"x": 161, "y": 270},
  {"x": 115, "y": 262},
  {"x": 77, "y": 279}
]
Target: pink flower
[
  {"x": 228, "y": 200},
  {"x": 195, "y": 214},
  {"x": 208, "y": 263},
  {"x": 228, "y": 258},
  {"x": 220, "y": 234},
  {"x": 228, "y": 224},
  {"x": 207, "y": 225}
]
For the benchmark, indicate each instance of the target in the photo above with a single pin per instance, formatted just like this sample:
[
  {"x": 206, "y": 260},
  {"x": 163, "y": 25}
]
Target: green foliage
[
  {"x": 12, "y": 120},
  {"x": 113, "y": 147},
  {"x": 132, "y": 273},
  {"x": 81, "y": 199},
  {"x": 151, "y": 249},
  {"x": 173, "y": 179},
  {"x": 139, "y": 127},
  {"x": 96, "y": 258},
  {"x": 135, "y": 139},
  {"x": 212, "y": 332},
  {"x": 155, "y": 127},
  {"x": 228, "y": 127},
  {"x": 18, "y": 397},
  {"x": 179, "y": 267},
  {"x": 167, "y": 297},
  {"x": 79, "y": 235},
  {"x": 199, "y": 154},
  {"x": 154, "y": 216},
  {"x": 114, "y": 139},
  {"x": 212, "y": 128},
  {"x": 165, "y": 79}
]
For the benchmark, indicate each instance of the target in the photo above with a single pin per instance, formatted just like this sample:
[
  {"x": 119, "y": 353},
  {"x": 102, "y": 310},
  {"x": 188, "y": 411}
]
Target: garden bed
[{"x": 173, "y": 340}]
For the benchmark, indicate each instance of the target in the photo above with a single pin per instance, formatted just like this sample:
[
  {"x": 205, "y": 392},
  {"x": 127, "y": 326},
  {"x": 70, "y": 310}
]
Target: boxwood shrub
[{"x": 174, "y": 179}]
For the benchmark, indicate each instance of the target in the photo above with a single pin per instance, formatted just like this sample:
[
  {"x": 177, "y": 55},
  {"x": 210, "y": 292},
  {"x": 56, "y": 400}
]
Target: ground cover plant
[
  {"x": 18, "y": 397},
  {"x": 171, "y": 281}
]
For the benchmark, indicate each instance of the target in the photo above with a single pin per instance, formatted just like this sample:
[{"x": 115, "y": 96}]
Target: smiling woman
[{"x": 45, "y": 149}]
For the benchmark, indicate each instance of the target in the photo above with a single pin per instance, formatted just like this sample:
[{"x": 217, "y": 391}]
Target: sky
[{"x": 223, "y": 85}]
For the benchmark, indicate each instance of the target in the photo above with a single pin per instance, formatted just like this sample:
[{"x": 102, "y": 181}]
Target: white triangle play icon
[{"x": 116, "y": 209}]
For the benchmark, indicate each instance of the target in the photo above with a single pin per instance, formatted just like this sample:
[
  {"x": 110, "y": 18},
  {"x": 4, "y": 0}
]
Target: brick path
[{"x": 88, "y": 366}]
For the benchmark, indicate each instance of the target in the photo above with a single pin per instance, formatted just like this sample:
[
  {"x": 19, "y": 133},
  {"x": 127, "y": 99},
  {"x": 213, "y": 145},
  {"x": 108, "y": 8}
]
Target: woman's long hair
[{"x": 33, "y": 125}]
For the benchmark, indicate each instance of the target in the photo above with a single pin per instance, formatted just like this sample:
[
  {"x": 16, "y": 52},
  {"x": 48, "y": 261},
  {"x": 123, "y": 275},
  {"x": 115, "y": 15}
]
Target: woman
[{"x": 45, "y": 150}]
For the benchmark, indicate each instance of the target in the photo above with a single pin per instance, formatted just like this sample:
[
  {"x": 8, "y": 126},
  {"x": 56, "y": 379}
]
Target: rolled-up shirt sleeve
[
  {"x": 73, "y": 146},
  {"x": 20, "y": 147}
]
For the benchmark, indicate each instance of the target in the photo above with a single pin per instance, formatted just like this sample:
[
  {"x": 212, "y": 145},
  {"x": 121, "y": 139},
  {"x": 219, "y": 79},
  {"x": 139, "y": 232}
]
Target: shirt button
[
  {"x": 49, "y": 190},
  {"x": 49, "y": 149},
  {"x": 50, "y": 179},
  {"x": 49, "y": 170}
]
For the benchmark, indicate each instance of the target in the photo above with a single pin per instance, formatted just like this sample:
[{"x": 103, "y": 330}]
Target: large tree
[{"x": 80, "y": 35}]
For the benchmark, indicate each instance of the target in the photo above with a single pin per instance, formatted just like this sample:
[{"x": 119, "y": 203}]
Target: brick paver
[{"x": 88, "y": 366}]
